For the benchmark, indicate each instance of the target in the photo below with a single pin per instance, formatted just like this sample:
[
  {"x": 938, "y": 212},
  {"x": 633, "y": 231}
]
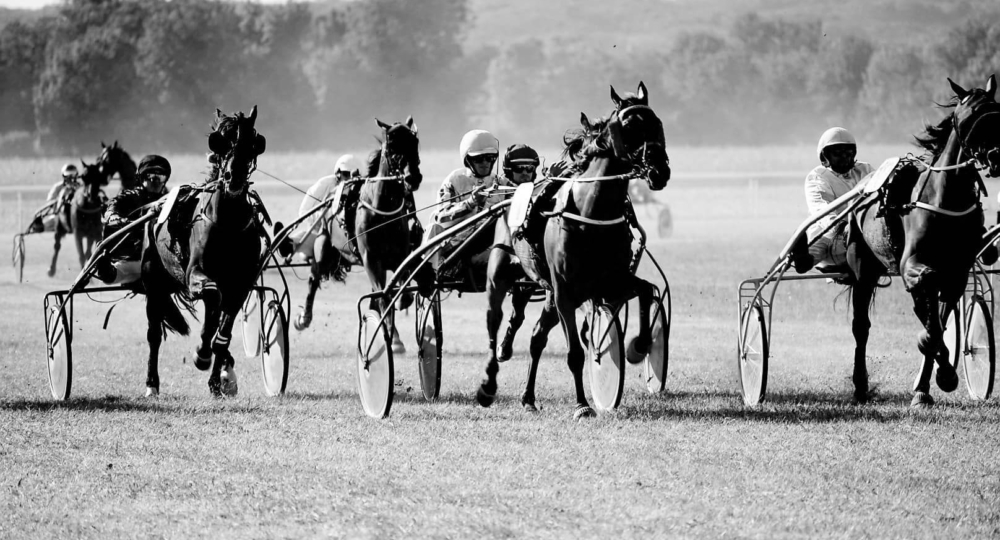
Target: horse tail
[{"x": 170, "y": 307}]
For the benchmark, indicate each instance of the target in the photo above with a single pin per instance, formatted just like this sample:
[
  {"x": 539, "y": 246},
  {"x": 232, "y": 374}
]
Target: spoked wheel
[
  {"x": 979, "y": 353},
  {"x": 17, "y": 258},
  {"x": 274, "y": 360},
  {"x": 655, "y": 367},
  {"x": 250, "y": 319},
  {"x": 375, "y": 369},
  {"x": 60, "y": 352},
  {"x": 429, "y": 340},
  {"x": 953, "y": 336},
  {"x": 606, "y": 358},
  {"x": 753, "y": 355}
]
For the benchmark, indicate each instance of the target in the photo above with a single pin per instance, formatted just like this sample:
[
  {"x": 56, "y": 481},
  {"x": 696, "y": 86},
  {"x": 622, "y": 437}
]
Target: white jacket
[{"x": 823, "y": 186}]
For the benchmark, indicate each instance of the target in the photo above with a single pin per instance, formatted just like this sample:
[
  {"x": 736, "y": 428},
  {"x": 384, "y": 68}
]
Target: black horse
[
  {"x": 208, "y": 249},
  {"x": 931, "y": 237},
  {"x": 115, "y": 160}
]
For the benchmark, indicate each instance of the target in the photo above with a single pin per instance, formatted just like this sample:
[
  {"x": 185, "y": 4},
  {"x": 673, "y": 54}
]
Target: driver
[
  {"x": 838, "y": 173},
  {"x": 313, "y": 236},
  {"x": 122, "y": 264},
  {"x": 60, "y": 193}
]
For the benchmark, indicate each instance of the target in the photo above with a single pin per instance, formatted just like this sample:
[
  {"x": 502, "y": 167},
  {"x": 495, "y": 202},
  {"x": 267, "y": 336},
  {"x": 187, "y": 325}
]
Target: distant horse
[
  {"x": 208, "y": 249},
  {"x": 115, "y": 160},
  {"x": 383, "y": 237},
  {"x": 85, "y": 211},
  {"x": 933, "y": 238},
  {"x": 83, "y": 207},
  {"x": 585, "y": 253}
]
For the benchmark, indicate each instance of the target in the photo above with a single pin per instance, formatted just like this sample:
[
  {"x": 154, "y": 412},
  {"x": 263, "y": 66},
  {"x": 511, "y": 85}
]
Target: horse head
[
  {"x": 92, "y": 178},
  {"x": 401, "y": 151},
  {"x": 113, "y": 160},
  {"x": 636, "y": 136},
  {"x": 976, "y": 121},
  {"x": 237, "y": 144}
]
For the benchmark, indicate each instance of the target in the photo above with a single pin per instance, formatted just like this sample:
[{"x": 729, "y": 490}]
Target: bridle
[{"x": 396, "y": 168}]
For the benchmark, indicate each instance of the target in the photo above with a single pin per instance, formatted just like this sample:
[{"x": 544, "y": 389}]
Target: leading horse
[
  {"x": 585, "y": 252},
  {"x": 382, "y": 234},
  {"x": 115, "y": 160},
  {"x": 931, "y": 240},
  {"x": 208, "y": 248}
]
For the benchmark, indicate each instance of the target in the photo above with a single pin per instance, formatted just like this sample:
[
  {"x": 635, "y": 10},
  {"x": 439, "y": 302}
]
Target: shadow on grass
[{"x": 103, "y": 404}]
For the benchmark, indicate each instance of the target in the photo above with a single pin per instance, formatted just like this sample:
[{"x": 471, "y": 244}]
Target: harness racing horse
[
  {"x": 585, "y": 251},
  {"x": 382, "y": 234},
  {"x": 115, "y": 160},
  {"x": 208, "y": 249},
  {"x": 85, "y": 211},
  {"x": 932, "y": 240}
]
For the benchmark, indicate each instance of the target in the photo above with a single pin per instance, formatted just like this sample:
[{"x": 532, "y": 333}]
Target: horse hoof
[
  {"x": 228, "y": 381},
  {"x": 398, "y": 347},
  {"x": 860, "y": 387},
  {"x": 302, "y": 322},
  {"x": 633, "y": 352},
  {"x": 505, "y": 351},
  {"x": 921, "y": 400},
  {"x": 530, "y": 407},
  {"x": 152, "y": 392},
  {"x": 52, "y": 272},
  {"x": 202, "y": 362},
  {"x": 485, "y": 398},
  {"x": 946, "y": 378},
  {"x": 583, "y": 412},
  {"x": 215, "y": 387}
]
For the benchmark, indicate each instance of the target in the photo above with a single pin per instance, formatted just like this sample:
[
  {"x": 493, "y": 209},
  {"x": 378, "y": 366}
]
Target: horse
[
  {"x": 85, "y": 211},
  {"x": 585, "y": 251},
  {"x": 382, "y": 236},
  {"x": 208, "y": 249},
  {"x": 82, "y": 206},
  {"x": 115, "y": 160},
  {"x": 933, "y": 238}
]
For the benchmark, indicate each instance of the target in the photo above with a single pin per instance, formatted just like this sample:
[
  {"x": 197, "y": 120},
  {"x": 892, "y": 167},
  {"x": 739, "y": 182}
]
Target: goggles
[
  {"x": 156, "y": 178},
  {"x": 523, "y": 169},
  {"x": 483, "y": 158}
]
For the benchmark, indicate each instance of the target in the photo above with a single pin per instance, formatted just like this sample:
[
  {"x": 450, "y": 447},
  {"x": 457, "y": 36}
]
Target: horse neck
[
  {"x": 602, "y": 199},
  {"x": 386, "y": 194},
  {"x": 955, "y": 189},
  {"x": 230, "y": 208}
]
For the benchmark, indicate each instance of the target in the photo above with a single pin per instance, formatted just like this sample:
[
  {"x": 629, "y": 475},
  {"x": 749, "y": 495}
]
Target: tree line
[{"x": 151, "y": 72}]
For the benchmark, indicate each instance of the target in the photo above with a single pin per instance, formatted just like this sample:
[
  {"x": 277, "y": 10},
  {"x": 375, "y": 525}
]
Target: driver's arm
[{"x": 453, "y": 206}]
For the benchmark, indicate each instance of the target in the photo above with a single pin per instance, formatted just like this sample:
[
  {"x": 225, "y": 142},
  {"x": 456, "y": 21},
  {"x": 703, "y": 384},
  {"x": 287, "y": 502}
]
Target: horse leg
[
  {"x": 539, "y": 337},
  {"x": 576, "y": 356},
  {"x": 496, "y": 288},
  {"x": 203, "y": 355},
  {"x": 931, "y": 345},
  {"x": 861, "y": 299},
  {"x": 55, "y": 253},
  {"x": 78, "y": 240},
  {"x": 638, "y": 346},
  {"x": 304, "y": 319},
  {"x": 225, "y": 365},
  {"x": 518, "y": 302},
  {"x": 154, "y": 336}
]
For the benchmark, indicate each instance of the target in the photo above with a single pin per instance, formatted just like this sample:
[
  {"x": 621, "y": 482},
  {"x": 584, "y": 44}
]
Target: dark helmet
[
  {"x": 519, "y": 154},
  {"x": 153, "y": 164}
]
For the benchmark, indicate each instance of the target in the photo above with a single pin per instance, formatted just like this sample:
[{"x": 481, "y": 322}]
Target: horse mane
[
  {"x": 374, "y": 161},
  {"x": 581, "y": 145},
  {"x": 934, "y": 136}
]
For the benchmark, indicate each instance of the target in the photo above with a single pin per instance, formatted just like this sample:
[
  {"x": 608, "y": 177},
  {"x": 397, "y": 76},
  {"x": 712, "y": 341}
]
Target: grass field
[{"x": 692, "y": 462}]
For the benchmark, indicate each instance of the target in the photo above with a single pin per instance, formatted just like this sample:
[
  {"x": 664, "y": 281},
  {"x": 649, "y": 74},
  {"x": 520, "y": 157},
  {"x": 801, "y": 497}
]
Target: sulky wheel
[
  {"x": 375, "y": 369},
  {"x": 953, "y": 336},
  {"x": 753, "y": 355},
  {"x": 606, "y": 358},
  {"x": 979, "y": 353},
  {"x": 429, "y": 341},
  {"x": 655, "y": 367},
  {"x": 250, "y": 319},
  {"x": 60, "y": 352},
  {"x": 274, "y": 360}
]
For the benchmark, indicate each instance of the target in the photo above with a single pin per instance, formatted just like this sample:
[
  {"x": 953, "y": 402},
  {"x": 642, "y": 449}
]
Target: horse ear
[
  {"x": 115, "y": 145},
  {"x": 217, "y": 143},
  {"x": 642, "y": 94},
  {"x": 409, "y": 122},
  {"x": 959, "y": 91},
  {"x": 584, "y": 121},
  {"x": 84, "y": 163},
  {"x": 991, "y": 86},
  {"x": 253, "y": 115},
  {"x": 615, "y": 98},
  {"x": 102, "y": 144},
  {"x": 218, "y": 112},
  {"x": 382, "y": 124}
]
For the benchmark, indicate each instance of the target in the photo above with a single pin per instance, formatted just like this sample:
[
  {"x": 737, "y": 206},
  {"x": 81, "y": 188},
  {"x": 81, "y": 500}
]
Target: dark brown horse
[
  {"x": 932, "y": 238},
  {"x": 115, "y": 160},
  {"x": 585, "y": 253},
  {"x": 208, "y": 249},
  {"x": 383, "y": 237},
  {"x": 85, "y": 212}
]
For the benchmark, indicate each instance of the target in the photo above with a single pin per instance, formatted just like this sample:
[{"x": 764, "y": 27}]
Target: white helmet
[
  {"x": 346, "y": 164},
  {"x": 833, "y": 136},
  {"x": 478, "y": 142},
  {"x": 69, "y": 170}
]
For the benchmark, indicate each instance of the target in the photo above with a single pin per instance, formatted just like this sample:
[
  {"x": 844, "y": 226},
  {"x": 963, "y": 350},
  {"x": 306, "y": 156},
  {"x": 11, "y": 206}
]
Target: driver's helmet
[
  {"x": 478, "y": 142},
  {"x": 834, "y": 136},
  {"x": 519, "y": 155},
  {"x": 69, "y": 172},
  {"x": 346, "y": 164},
  {"x": 154, "y": 165}
]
